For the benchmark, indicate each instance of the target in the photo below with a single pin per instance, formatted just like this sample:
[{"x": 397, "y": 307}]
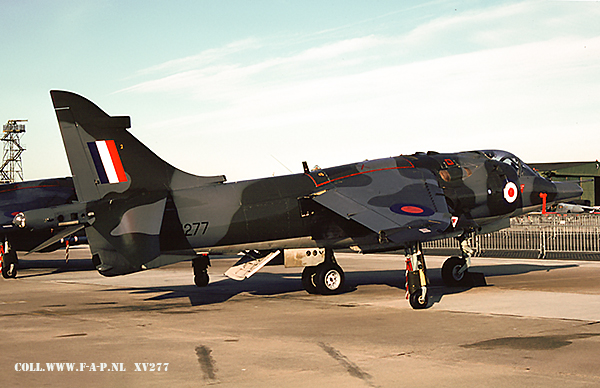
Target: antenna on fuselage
[{"x": 305, "y": 167}]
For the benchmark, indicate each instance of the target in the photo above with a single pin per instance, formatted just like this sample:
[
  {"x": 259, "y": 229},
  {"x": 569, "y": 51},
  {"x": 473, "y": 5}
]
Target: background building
[{"x": 588, "y": 173}]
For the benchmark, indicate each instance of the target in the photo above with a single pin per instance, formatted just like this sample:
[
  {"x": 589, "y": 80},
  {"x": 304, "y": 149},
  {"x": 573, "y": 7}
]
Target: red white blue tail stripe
[{"x": 107, "y": 161}]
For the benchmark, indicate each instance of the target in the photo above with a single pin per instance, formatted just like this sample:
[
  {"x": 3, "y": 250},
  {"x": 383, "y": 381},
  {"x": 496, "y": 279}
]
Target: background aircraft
[
  {"x": 564, "y": 208},
  {"x": 141, "y": 212},
  {"x": 25, "y": 196}
]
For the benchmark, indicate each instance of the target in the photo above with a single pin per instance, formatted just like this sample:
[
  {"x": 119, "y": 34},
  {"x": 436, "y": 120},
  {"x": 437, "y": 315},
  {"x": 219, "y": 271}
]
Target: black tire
[
  {"x": 9, "y": 270},
  {"x": 329, "y": 278},
  {"x": 201, "y": 278},
  {"x": 450, "y": 274},
  {"x": 416, "y": 302},
  {"x": 9, "y": 265},
  {"x": 308, "y": 281}
]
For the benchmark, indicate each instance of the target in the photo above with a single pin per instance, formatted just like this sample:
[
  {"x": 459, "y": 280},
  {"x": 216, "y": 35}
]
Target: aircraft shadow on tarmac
[
  {"x": 273, "y": 284},
  {"x": 58, "y": 266},
  {"x": 481, "y": 273}
]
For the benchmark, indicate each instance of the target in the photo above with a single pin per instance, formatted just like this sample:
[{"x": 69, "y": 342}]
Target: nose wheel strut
[{"x": 455, "y": 270}]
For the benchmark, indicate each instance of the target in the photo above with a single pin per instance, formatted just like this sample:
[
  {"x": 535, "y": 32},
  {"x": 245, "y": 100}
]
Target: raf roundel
[
  {"x": 411, "y": 210},
  {"x": 510, "y": 192}
]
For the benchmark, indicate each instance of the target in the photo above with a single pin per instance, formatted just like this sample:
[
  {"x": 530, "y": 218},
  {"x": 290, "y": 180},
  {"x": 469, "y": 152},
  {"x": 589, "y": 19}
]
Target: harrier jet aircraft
[
  {"x": 139, "y": 212},
  {"x": 27, "y": 196}
]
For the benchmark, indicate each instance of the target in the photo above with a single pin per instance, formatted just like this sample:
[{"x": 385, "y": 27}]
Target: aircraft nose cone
[{"x": 567, "y": 190}]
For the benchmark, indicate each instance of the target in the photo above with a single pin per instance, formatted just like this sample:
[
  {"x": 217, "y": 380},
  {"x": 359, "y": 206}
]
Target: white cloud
[
  {"x": 502, "y": 86},
  {"x": 225, "y": 81},
  {"x": 205, "y": 58},
  {"x": 503, "y": 98}
]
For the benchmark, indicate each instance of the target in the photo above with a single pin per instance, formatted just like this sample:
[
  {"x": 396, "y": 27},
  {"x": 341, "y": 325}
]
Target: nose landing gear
[{"x": 455, "y": 270}]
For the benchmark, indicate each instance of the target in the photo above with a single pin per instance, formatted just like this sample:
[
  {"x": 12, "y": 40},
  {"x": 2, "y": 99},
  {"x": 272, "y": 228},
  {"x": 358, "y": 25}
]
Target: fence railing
[{"x": 537, "y": 235}]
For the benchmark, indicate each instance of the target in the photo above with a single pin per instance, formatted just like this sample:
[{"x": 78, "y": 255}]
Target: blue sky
[{"x": 245, "y": 88}]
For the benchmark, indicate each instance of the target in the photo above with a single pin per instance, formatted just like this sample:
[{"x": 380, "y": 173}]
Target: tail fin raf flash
[{"x": 124, "y": 184}]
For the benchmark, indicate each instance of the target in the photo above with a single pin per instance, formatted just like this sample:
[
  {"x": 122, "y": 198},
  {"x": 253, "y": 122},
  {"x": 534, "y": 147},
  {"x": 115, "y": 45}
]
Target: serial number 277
[{"x": 195, "y": 228}]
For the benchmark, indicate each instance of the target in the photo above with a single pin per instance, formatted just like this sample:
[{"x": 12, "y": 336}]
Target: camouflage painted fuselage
[
  {"x": 141, "y": 212},
  {"x": 418, "y": 193}
]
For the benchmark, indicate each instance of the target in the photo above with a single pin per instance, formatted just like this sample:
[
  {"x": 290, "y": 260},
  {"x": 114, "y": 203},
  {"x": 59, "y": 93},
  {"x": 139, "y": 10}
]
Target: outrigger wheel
[
  {"x": 417, "y": 301},
  {"x": 417, "y": 282},
  {"x": 200, "y": 265}
]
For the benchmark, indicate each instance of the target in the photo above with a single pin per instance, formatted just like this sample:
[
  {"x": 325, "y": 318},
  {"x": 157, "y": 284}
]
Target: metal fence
[{"x": 575, "y": 236}]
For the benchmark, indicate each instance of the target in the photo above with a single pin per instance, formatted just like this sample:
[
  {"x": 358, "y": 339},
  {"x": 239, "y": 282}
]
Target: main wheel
[
  {"x": 329, "y": 278},
  {"x": 308, "y": 279},
  {"x": 416, "y": 300},
  {"x": 451, "y": 272}
]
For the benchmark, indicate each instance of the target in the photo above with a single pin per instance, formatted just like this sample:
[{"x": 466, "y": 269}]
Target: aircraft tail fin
[
  {"x": 125, "y": 186},
  {"x": 105, "y": 158}
]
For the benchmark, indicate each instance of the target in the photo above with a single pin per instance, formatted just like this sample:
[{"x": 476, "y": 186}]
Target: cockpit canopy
[{"x": 510, "y": 159}]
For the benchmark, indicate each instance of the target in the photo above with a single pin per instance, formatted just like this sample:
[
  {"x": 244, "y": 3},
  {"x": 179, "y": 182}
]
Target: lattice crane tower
[{"x": 12, "y": 166}]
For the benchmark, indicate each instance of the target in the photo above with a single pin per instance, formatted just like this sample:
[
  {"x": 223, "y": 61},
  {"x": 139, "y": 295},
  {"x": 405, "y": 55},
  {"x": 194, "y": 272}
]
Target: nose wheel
[
  {"x": 455, "y": 270},
  {"x": 455, "y": 273}
]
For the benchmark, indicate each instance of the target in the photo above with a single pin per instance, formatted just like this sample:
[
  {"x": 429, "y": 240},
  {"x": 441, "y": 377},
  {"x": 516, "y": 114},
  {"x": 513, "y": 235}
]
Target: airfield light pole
[{"x": 12, "y": 166}]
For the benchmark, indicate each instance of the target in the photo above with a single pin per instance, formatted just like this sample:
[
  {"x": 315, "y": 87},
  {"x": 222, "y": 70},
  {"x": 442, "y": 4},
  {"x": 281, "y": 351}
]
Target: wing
[{"x": 400, "y": 204}]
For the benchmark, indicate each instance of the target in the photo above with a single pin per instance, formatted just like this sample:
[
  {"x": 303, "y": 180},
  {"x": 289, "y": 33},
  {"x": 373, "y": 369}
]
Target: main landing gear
[
  {"x": 326, "y": 278},
  {"x": 455, "y": 270},
  {"x": 8, "y": 261},
  {"x": 200, "y": 265}
]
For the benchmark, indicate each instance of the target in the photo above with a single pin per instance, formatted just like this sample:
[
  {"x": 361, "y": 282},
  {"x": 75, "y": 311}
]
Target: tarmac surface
[{"x": 535, "y": 324}]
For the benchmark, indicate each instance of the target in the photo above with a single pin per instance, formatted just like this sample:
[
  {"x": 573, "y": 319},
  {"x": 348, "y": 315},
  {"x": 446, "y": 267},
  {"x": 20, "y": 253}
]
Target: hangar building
[{"x": 588, "y": 173}]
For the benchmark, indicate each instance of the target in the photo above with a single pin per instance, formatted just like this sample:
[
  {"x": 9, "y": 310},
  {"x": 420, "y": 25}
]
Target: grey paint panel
[
  {"x": 376, "y": 205},
  {"x": 209, "y": 209},
  {"x": 146, "y": 219},
  {"x": 352, "y": 210}
]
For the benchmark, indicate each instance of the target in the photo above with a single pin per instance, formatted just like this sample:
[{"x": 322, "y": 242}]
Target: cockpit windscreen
[{"x": 510, "y": 159}]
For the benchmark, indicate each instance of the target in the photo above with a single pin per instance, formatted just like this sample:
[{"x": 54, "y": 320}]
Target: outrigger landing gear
[
  {"x": 416, "y": 277},
  {"x": 326, "y": 278},
  {"x": 455, "y": 270},
  {"x": 200, "y": 265},
  {"x": 8, "y": 261}
]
